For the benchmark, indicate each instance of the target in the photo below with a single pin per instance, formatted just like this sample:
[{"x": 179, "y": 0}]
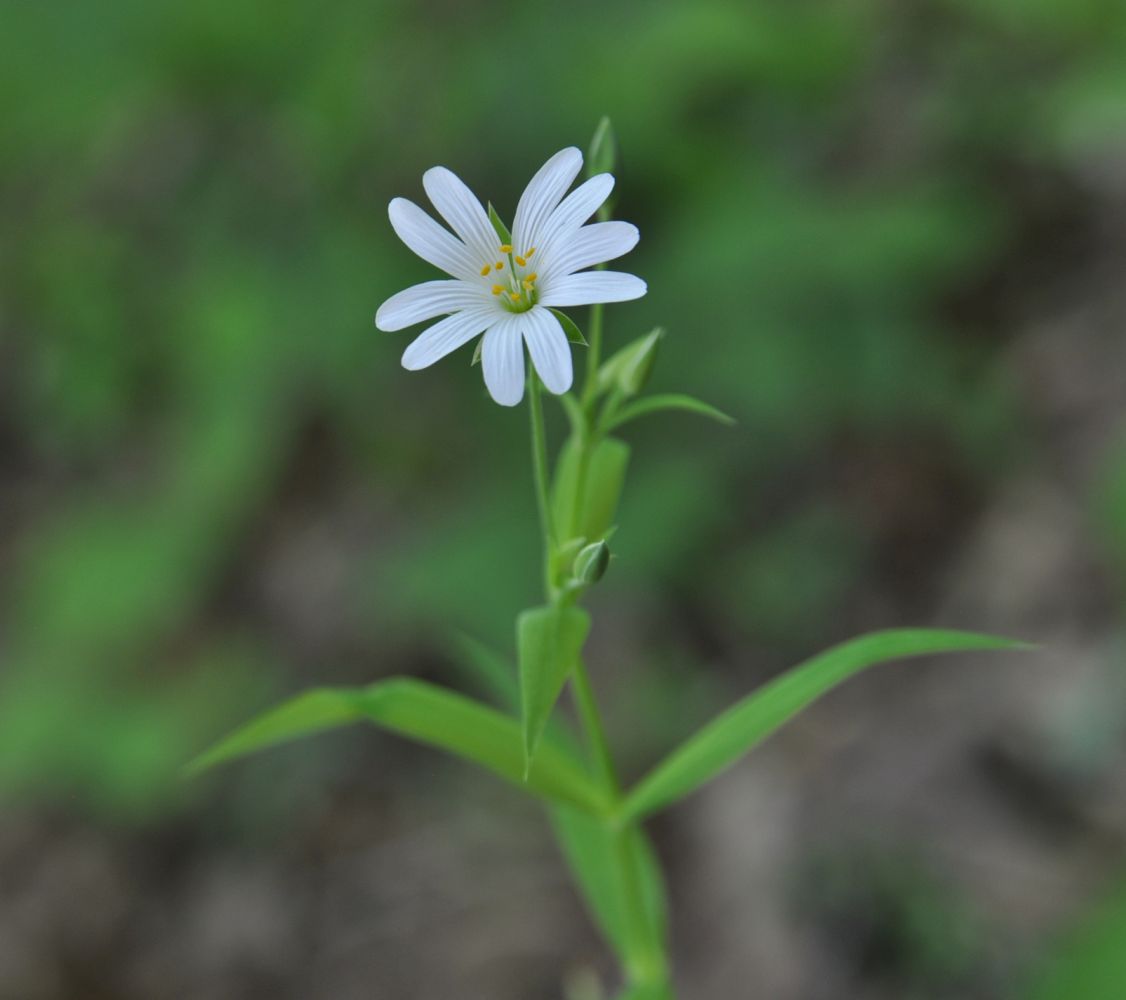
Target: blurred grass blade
[
  {"x": 488, "y": 669},
  {"x": 602, "y": 154},
  {"x": 1090, "y": 961},
  {"x": 748, "y": 722},
  {"x": 548, "y": 642},
  {"x": 646, "y": 991},
  {"x": 669, "y": 401},
  {"x": 591, "y": 849},
  {"x": 427, "y": 714}
]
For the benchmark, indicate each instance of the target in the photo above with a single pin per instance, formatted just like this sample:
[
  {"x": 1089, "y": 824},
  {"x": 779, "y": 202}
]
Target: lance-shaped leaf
[
  {"x": 748, "y": 722},
  {"x": 429, "y": 715},
  {"x": 602, "y": 479},
  {"x": 548, "y": 643},
  {"x": 670, "y": 401},
  {"x": 596, "y": 853}
]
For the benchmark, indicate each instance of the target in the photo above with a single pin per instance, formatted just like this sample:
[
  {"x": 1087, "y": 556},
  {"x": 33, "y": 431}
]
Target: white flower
[{"x": 506, "y": 290}]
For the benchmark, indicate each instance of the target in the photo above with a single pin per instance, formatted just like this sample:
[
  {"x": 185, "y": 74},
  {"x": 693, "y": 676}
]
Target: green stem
[
  {"x": 539, "y": 470},
  {"x": 593, "y": 358},
  {"x": 594, "y": 729},
  {"x": 647, "y": 963}
]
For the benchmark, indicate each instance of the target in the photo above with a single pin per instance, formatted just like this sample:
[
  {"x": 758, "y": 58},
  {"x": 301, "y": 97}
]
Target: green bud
[
  {"x": 629, "y": 369},
  {"x": 591, "y": 562},
  {"x": 602, "y": 157}
]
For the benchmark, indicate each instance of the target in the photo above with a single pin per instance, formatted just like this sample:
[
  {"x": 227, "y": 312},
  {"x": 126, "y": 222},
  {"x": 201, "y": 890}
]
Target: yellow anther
[
  {"x": 486, "y": 269},
  {"x": 531, "y": 251},
  {"x": 506, "y": 248},
  {"x": 527, "y": 283},
  {"x": 521, "y": 261},
  {"x": 515, "y": 296},
  {"x": 500, "y": 265},
  {"x": 497, "y": 289},
  {"x": 531, "y": 277}
]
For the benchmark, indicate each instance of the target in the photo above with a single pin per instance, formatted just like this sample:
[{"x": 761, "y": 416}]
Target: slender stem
[
  {"x": 647, "y": 963},
  {"x": 593, "y": 727},
  {"x": 593, "y": 357},
  {"x": 539, "y": 469}
]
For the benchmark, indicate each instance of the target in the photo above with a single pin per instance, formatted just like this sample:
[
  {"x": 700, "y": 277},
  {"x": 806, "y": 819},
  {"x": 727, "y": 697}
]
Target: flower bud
[
  {"x": 628, "y": 370},
  {"x": 591, "y": 562}
]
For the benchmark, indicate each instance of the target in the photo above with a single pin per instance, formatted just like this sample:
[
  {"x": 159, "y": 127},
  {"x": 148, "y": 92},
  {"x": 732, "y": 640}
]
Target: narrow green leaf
[
  {"x": 574, "y": 334},
  {"x": 594, "y": 854},
  {"x": 628, "y": 369},
  {"x": 304, "y": 715},
  {"x": 671, "y": 401},
  {"x": 501, "y": 229},
  {"x": 564, "y": 486},
  {"x": 604, "y": 479},
  {"x": 427, "y": 714},
  {"x": 604, "y": 482},
  {"x": 548, "y": 642},
  {"x": 750, "y": 721}
]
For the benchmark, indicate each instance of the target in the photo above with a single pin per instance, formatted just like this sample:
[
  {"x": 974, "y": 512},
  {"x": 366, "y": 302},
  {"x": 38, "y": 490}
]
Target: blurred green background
[{"x": 888, "y": 236}]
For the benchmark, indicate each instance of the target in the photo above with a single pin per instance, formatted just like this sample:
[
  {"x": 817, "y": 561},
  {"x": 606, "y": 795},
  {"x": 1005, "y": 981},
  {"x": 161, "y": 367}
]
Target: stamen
[
  {"x": 532, "y": 276},
  {"x": 506, "y": 248},
  {"x": 531, "y": 251},
  {"x": 497, "y": 289},
  {"x": 500, "y": 265},
  {"x": 486, "y": 269},
  {"x": 521, "y": 261},
  {"x": 528, "y": 283}
]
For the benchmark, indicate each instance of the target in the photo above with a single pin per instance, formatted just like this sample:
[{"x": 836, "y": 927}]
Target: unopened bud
[{"x": 591, "y": 562}]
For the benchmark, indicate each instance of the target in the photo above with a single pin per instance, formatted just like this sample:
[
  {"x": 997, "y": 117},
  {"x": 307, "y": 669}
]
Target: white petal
[
  {"x": 445, "y": 336},
  {"x": 425, "y": 301},
  {"x": 502, "y": 361},
  {"x": 542, "y": 195},
  {"x": 575, "y": 209},
  {"x": 430, "y": 241},
  {"x": 461, "y": 209},
  {"x": 590, "y": 287},
  {"x": 549, "y": 348},
  {"x": 591, "y": 245}
]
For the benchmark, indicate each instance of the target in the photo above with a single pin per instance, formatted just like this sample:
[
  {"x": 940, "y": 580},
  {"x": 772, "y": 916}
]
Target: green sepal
[
  {"x": 477, "y": 351},
  {"x": 628, "y": 370},
  {"x": 498, "y": 225},
  {"x": 574, "y": 334},
  {"x": 549, "y": 641}
]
